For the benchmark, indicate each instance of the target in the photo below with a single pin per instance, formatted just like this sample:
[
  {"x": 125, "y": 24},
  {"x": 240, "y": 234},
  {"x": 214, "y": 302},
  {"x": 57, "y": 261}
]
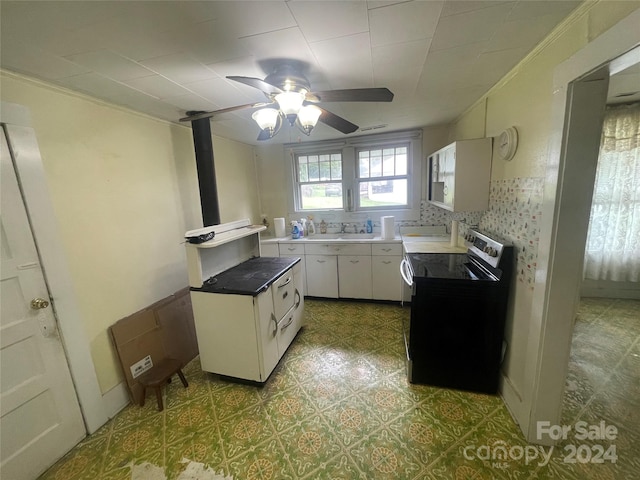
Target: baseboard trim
[{"x": 116, "y": 399}]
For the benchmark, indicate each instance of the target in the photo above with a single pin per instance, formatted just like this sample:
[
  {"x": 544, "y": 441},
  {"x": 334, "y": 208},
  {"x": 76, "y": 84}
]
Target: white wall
[{"x": 124, "y": 190}]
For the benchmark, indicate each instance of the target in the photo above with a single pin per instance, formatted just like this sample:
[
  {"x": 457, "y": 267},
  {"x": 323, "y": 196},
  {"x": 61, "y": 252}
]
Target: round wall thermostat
[{"x": 508, "y": 143}]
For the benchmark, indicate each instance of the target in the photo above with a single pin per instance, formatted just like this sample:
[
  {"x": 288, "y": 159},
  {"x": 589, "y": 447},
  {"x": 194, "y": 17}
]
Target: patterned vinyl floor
[{"x": 339, "y": 407}]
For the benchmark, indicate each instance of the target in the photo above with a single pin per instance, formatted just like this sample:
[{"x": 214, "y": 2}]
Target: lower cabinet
[
  {"x": 354, "y": 276},
  {"x": 385, "y": 271},
  {"x": 322, "y": 275}
]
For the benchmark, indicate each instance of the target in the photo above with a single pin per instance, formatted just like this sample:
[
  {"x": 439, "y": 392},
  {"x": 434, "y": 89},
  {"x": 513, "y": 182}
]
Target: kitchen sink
[{"x": 340, "y": 236}]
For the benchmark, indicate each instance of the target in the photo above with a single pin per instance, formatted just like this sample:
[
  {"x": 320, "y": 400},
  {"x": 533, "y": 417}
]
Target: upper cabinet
[{"x": 459, "y": 176}]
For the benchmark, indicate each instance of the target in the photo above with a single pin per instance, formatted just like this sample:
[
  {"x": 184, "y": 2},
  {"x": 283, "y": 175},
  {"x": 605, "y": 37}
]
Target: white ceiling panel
[
  {"x": 180, "y": 68},
  {"x": 353, "y": 67},
  {"x": 404, "y": 22},
  {"x": 323, "y": 20},
  {"x": 157, "y": 86},
  {"x": 399, "y": 67},
  {"x": 224, "y": 93},
  {"x": 166, "y": 57},
  {"x": 471, "y": 27},
  {"x": 110, "y": 65}
]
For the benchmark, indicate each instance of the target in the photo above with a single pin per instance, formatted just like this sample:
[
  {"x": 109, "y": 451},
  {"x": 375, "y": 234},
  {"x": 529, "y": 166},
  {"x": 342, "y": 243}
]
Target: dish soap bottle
[
  {"x": 369, "y": 226},
  {"x": 323, "y": 226},
  {"x": 311, "y": 228},
  {"x": 295, "y": 230}
]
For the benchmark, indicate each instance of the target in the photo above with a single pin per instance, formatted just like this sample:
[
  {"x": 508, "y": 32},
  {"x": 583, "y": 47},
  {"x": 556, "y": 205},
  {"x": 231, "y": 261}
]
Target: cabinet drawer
[
  {"x": 339, "y": 249},
  {"x": 283, "y": 291},
  {"x": 386, "y": 249},
  {"x": 291, "y": 248}
]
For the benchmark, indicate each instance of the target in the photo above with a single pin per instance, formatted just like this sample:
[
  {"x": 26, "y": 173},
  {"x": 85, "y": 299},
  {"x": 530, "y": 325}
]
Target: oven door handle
[{"x": 404, "y": 271}]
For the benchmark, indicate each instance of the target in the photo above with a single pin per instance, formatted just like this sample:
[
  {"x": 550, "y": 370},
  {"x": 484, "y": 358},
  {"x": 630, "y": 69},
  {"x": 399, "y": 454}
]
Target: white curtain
[{"x": 613, "y": 242}]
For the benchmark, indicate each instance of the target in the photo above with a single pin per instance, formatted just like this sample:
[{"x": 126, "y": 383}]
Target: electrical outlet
[{"x": 142, "y": 366}]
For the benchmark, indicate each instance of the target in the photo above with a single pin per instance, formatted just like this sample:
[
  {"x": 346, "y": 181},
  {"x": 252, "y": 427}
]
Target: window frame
[
  {"x": 349, "y": 148},
  {"x": 298, "y": 184}
]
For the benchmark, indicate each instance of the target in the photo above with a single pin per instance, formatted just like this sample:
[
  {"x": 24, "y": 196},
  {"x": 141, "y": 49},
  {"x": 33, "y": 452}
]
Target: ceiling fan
[{"x": 289, "y": 97}]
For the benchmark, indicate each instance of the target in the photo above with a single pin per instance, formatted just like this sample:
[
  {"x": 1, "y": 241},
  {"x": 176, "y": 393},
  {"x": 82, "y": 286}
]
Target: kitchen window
[{"x": 376, "y": 173}]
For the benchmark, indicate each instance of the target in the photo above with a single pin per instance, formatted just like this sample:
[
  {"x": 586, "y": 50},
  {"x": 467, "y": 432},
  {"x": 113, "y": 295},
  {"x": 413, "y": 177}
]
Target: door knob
[{"x": 38, "y": 303}]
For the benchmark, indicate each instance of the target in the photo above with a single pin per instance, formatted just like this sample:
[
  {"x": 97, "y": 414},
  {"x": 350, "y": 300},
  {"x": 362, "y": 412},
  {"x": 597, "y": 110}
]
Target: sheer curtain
[{"x": 613, "y": 241}]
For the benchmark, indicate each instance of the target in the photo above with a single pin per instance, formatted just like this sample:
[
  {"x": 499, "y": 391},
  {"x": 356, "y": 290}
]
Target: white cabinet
[
  {"x": 243, "y": 336},
  {"x": 269, "y": 250},
  {"x": 322, "y": 275},
  {"x": 292, "y": 249},
  {"x": 354, "y": 276},
  {"x": 460, "y": 175},
  {"x": 385, "y": 271}
]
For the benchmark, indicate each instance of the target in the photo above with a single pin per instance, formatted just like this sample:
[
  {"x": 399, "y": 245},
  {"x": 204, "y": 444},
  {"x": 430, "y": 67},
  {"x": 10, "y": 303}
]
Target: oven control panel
[{"x": 485, "y": 247}]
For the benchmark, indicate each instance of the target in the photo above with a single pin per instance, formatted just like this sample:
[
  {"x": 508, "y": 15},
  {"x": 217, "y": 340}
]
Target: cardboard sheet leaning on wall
[{"x": 162, "y": 330}]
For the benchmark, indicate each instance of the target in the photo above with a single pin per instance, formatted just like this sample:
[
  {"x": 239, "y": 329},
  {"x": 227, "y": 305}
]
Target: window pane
[
  {"x": 383, "y": 193},
  {"x": 325, "y": 170},
  {"x": 388, "y": 162},
  {"x": 321, "y": 196},
  {"x": 376, "y": 163},
  {"x": 336, "y": 168},
  {"x": 314, "y": 172},
  {"x": 303, "y": 173},
  {"x": 401, "y": 161}
]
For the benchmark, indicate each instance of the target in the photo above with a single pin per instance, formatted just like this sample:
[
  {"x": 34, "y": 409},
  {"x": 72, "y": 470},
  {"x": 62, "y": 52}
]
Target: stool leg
[
  {"x": 159, "y": 397},
  {"x": 182, "y": 379}
]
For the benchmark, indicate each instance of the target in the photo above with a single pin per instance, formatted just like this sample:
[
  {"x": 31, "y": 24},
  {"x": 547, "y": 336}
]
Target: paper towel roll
[
  {"x": 280, "y": 230},
  {"x": 454, "y": 233},
  {"x": 388, "y": 227}
]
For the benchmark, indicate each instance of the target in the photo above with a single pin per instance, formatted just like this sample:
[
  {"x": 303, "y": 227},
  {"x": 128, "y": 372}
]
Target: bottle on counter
[
  {"x": 311, "y": 228},
  {"x": 323, "y": 226},
  {"x": 369, "y": 226},
  {"x": 295, "y": 230}
]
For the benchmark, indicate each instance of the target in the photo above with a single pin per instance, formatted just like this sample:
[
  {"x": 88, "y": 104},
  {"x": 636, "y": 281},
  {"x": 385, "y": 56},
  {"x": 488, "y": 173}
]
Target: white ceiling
[{"x": 167, "y": 57}]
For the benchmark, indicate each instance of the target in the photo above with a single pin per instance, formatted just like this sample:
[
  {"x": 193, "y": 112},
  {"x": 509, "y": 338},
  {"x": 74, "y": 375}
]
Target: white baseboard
[
  {"x": 607, "y": 289},
  {"x": 116, "y": 399}
]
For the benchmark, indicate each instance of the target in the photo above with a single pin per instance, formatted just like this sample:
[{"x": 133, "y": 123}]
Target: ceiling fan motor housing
[{"x": 288, "y": 79}]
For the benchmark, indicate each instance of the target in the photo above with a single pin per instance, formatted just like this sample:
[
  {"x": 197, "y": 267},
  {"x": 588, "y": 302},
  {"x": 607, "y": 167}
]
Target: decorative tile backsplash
[{"x": 515, "y": 212}]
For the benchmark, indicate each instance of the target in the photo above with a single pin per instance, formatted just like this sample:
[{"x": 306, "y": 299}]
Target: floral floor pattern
[{"x": 339, "y": 407}]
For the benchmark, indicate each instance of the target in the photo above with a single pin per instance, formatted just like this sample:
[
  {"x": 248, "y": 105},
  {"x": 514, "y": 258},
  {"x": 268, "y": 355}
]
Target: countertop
[
  {"x": 434, "y": 247},
  {"x": 330, "y": 238}
]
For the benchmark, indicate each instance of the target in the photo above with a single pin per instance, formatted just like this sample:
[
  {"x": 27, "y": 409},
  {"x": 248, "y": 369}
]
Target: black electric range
[{"x": 251, "y": 277}]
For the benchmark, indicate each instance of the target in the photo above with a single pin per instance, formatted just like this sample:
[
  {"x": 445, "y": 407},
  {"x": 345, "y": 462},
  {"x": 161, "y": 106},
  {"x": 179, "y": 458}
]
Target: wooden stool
[{"x": 159, "y": 376}]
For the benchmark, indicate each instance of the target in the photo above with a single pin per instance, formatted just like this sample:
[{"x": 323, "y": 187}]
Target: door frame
[
  {"x": 55, "y": 268},
  {"x": 551, "y": 327}
]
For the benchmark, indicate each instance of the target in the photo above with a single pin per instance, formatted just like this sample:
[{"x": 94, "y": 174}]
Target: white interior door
[{"x": 40, "y": 416}]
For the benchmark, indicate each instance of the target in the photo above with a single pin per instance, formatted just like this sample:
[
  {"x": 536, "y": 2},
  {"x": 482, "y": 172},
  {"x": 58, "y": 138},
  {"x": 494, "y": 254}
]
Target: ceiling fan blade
[
  {"x": 199, "y": 115},
  {"x": 257, "y": 83},
  {"x": 355, "y": 95},
  {"x": 339, "y": 123}
]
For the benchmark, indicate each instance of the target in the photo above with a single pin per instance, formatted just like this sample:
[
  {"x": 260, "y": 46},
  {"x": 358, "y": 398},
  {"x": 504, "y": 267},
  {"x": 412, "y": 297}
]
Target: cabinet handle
[
  {"x": 275, "y": 324},
  {"x": 386, "y": 262},
  {"x": 354, "y": 261},
  {"x": 285, "y": 283},
  {"x": 386, "y": 249},
  {"x": 321, "y": 261},
  {"x": 291, "y": 249},
  {"x": 283, "y": 328},
  {"x": 297, "y": 298}
]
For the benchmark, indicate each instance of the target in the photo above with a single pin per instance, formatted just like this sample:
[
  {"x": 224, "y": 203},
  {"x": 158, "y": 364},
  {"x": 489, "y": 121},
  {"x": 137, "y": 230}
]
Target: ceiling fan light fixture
[
  {"x": 267, "y": 119},
  {"x": 308, "y": 118},
  {"x": 290, "y": 103}
]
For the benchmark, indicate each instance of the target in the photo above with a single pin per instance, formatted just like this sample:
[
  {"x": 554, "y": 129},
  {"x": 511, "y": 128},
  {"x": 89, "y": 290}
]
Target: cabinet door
[
  {"x": 354, "y": 276},
  {"x": 322, "y": 275},
  {"x": 387, "y": 282},
  {"x": 298, "y": 300},
  {"x": 447, "y": 166},
  {"x": 269, "y": 250}
]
